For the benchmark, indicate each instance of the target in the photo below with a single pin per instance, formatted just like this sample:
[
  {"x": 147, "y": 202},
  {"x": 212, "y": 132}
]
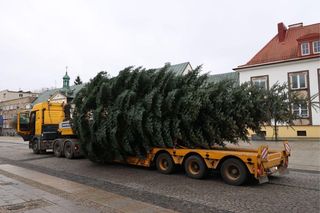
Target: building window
[
  {"x": 298, "y": 80},
  {"x": 260, "y": 81},
  {"x": 20, "y": 95},
  {"x": 305, "y": 48},
  {"x": 302, "y": 133},
  {"x": 300, "y": 110},
  {"x": 316, "y": 46}
]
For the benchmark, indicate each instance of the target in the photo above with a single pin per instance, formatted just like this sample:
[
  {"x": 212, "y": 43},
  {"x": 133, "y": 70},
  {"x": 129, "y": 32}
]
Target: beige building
[
  {"x": 8, "y": 113},
  {"x": 6, "y": 95}
]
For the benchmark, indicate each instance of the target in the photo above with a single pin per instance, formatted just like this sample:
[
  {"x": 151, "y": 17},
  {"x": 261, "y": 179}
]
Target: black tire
[
  {"x": 195, "y": 167},
  {"x": 57, "y": 149},
  {"x": 165, "y": 164},
  {"x": 35, "y": 146},
  {"x": 68, "y": 150},
  {"x": 234, "y": 172}
]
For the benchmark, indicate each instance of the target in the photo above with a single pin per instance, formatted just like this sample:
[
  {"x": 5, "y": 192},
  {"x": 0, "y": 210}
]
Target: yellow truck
[{"x": 46, "y": 128}]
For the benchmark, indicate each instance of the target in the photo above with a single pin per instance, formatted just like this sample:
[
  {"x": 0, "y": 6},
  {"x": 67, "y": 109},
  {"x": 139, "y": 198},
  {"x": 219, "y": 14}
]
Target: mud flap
[{"x": 263, "y": 179}]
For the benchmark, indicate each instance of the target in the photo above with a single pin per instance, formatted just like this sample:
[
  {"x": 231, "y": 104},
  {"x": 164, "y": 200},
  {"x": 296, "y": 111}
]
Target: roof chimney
[{"x": 282, "y": 29}]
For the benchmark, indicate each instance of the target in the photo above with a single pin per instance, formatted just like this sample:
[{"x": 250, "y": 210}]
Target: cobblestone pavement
[
  {"x": 44, "y": 193},
  {"x": 16, "y": 196},
  {"x": 298, "y": 191}
]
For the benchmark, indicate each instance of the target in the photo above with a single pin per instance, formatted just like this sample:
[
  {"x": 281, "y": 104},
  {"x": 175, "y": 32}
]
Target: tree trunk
[{"x": 275, "y": 130}]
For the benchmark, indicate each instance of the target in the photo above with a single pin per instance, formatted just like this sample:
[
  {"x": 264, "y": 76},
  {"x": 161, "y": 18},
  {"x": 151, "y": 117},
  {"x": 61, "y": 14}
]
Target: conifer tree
[
  {"x": 126, "y": 115},
  {"x": 77, "y": 81}
]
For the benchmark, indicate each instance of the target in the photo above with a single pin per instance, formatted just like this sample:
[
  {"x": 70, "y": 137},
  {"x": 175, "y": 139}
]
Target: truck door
[
  {"x": 38, "y": 123},
  {"x": 23, "y": 125},
  {"x": 33, "y": 123}
]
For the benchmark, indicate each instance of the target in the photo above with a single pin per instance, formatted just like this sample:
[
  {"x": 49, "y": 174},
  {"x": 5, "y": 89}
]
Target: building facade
[
  {"x": 8, "y": 113},
  {"x": 6, "y": 95},
  {"x": 292, "y": 56}
]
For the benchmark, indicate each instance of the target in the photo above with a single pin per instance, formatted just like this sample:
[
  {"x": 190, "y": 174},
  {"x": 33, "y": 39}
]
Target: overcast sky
[{"x": 38, "y": 39}]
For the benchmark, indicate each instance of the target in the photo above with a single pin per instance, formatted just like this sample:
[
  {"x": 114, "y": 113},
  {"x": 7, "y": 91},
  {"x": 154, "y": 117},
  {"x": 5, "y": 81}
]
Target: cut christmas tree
[{"x": 139, "y": 109}]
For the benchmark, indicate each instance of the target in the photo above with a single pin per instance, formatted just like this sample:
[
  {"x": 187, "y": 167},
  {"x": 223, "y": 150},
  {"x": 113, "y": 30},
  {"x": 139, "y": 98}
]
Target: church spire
[{"x": 66, "y": 80}]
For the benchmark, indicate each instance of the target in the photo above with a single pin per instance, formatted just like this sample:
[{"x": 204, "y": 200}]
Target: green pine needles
[{"x": 139, "y": 109}]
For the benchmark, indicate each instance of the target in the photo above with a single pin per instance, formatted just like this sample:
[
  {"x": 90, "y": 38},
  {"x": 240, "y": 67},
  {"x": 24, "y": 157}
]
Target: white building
[
  {"x": 292, "y": 56},
  {"x": 6, "y": 95}
]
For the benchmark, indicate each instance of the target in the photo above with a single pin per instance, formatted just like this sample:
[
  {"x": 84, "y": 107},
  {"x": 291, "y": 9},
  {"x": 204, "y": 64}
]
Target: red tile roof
[{"x": 277, "y": 51}]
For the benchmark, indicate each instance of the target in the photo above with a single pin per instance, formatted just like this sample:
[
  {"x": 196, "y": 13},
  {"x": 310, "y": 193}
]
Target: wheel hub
[
  {"x": 233, "y": 172},
  {"x": 194, "y": 167},
  {"x": 164, "y": 164}
]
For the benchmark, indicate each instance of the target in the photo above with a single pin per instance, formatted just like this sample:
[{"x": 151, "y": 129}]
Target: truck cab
[{"x": 42, "y": 127}]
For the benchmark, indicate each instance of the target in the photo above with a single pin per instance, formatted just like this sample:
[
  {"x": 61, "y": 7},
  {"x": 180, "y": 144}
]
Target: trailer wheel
[
  {"x": 57, "y": 149},
  {"x": 165, "y": 164},
  {"x": 195, "y": 167},
  {"x": 35, "y": 147},
  {"x": 234, "y": 172},
  {"x": 68, "y": 152}
]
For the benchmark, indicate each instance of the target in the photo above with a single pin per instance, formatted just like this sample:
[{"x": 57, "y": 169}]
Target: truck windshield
[{"x": 24, "y": 121}]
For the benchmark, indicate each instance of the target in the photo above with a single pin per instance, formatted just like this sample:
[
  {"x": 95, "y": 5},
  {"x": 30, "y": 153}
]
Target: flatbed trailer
[
  {"x": 46, "y": 129},
  {"x": 234, "y": 164}
]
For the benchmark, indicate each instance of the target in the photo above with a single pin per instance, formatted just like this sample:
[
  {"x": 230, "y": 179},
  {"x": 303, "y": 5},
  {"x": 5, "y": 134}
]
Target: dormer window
[
  {"x": 305, "y": 50},
  {"x": 309, "y": 44},
  {"x": 316, "y": 46}
]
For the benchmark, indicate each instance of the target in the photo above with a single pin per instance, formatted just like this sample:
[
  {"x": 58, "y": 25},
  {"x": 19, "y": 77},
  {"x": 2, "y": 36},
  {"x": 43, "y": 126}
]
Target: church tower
[{"x": 66, "y": 80}]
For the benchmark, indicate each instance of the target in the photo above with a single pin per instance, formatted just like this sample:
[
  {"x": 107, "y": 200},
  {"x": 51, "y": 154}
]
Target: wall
[
  {"x": 290, "y": 133},
  {"x": 6, "y": 95},
  {"x": 188, "y": 69},
  {"x": 58, "y": 98},
  {"x": 279, "y": 73}
]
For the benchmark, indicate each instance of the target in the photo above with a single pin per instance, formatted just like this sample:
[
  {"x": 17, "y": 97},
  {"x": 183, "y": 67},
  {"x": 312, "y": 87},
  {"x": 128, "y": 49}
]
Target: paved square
[{"x": 16, "y": 196}]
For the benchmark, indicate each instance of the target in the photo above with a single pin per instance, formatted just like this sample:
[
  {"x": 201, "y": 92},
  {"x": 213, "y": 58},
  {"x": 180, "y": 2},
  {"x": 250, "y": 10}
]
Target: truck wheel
[
  {"x": 57, "y": 149},
  {"x": 165, "y": 164},
  {"x": 35, "y": 147},
  {"x": 234, "y": 172},
  {"x": 68, "y": 152},
  {"x": 195, "y": 167}
]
